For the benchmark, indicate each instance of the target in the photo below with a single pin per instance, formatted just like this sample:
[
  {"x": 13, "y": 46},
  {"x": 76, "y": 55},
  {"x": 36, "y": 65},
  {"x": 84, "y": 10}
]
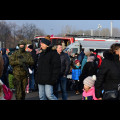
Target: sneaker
[
  {"x": 27, "y": 91},
  {"x": 77, "y": 92}
]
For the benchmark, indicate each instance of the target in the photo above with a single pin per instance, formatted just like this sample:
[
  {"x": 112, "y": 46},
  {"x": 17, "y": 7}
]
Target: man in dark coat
[
  {"x": 65, "y": 68},
  {"x": 49, "y": 66}
]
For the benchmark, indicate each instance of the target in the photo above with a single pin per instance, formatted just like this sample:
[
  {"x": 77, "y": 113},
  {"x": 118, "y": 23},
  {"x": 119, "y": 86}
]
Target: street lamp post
[
  {"x": 99, "y": 27},
  {"x": 91, "y": 32},
  {"x": 111, "y": 29}
]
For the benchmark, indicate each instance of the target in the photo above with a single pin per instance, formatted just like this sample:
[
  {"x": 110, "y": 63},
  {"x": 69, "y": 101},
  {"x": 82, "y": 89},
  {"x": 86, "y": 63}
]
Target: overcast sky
[{"x": 55, "y": 26}]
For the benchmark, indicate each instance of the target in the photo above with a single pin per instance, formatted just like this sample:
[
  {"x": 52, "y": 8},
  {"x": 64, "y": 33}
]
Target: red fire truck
[{"x": 54, "y": 40}]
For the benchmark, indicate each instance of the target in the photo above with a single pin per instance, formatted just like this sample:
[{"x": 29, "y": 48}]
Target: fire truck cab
[{"x": 54, "y": 40}]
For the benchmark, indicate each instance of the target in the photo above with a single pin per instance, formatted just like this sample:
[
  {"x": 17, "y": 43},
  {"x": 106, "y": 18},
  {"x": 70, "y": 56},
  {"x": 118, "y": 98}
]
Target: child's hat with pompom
[{"x": 90, "y": 81}]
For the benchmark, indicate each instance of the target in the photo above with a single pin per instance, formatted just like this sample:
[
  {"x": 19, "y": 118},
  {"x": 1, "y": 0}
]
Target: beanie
[
  {"x": 46, "y": 41},
  {"x": 21, "y": 42},
  {"x": 90, "y": 58},
  {"x": 30, "y": 46},
  {"x": 76, "y": 61},
  {"x": 90, "y": 81},
  {"x": 87, "y": 51}
]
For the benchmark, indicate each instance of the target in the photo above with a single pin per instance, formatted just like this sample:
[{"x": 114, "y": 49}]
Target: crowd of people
[{"x": 46, "y": 71}]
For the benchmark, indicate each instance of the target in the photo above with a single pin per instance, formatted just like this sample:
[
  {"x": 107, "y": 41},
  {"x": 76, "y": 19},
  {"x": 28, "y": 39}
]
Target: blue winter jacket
[{"x": 76, "y": 73}]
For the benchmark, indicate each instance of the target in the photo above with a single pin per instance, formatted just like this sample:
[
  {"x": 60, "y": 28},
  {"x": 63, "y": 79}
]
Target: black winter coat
[
  {"x": 108, "y": 76},
  {"x": 65, "y": 64},
  {"x": 49, "y": 67},
  {"x": 89, "y": 69}
]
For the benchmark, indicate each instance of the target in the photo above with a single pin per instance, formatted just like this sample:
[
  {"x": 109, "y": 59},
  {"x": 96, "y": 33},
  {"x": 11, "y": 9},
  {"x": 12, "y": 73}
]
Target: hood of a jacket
[{"x": 109, "y": 56}]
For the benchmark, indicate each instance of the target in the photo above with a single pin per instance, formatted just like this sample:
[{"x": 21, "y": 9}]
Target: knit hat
[
  {"x": 46, "y": 40},
  {"x": 90, "y": 81},
  {"x": 87, "y": 51},
  {"x": 90, "y": 58},
  {"x": 21, "y": 42},
  {"x": 76, "y": 61}
]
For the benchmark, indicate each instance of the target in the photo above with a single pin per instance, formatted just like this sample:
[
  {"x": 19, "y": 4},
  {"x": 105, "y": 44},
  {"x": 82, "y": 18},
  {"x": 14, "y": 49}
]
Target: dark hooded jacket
[{"x": 108, "y": 76}]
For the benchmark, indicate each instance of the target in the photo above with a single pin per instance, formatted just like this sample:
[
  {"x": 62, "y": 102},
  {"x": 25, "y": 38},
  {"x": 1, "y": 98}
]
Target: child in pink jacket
[{"x": 89, "y": 89}]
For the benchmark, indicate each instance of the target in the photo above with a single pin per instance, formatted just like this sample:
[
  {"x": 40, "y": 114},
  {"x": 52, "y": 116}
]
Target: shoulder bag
[{"x": 112, "y": 94}]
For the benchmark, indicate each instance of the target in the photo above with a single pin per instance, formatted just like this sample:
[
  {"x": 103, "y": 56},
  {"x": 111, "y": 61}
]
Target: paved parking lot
[{"x": 34, "y": 96}]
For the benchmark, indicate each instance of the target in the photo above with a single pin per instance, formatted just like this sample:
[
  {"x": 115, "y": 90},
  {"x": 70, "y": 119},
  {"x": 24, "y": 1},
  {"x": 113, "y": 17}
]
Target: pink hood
[{"x": 90, "y": 95}]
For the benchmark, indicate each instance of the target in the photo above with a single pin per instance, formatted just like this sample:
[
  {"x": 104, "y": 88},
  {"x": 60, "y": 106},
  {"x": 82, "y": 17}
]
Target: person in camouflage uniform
[{"x": 20, "y": 60}]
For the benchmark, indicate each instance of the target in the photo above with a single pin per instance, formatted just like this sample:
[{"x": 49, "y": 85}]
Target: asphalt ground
[{"x": 35, "y": 96}]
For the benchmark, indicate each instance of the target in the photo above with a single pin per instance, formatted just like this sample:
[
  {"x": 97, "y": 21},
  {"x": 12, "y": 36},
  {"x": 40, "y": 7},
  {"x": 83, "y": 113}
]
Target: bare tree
[
  {"x": 28, "y": 31},
  {"x": 105, "y": 32},
  {"x": 14, "y": 27},
  {"x": 116, "y": 32},
  {"x": 5, "y": 33},
  {"x": 66, "y": 30}
]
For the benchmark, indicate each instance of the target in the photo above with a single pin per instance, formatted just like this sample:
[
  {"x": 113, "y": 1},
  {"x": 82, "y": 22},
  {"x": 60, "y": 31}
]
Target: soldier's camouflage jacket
[{"x": 20, "y": 61}]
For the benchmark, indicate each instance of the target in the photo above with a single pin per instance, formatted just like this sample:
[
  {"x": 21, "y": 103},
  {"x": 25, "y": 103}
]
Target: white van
[
  {"x": 73, "y": 48},
  {"x": 92, "y": 43}
]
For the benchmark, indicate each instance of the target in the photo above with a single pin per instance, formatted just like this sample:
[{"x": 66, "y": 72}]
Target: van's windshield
[
  {"x": 65, "y": 49},
  {"x": 74, "y": 50}
]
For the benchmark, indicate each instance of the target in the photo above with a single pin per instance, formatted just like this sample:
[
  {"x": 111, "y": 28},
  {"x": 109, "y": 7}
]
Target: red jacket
[{"x": 100, "y": 60}]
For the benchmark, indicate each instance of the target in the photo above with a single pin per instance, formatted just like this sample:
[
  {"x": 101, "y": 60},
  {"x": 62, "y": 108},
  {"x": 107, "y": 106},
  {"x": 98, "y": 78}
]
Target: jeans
[
  {"x": 46, "y": 92},
  {"x": 63, "y": 84},
  {"x": 31, "y": 81}
]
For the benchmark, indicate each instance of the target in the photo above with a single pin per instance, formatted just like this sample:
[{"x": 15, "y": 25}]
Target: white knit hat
[
  {"x": 90, "y": 58},
  {"x": 87, "y": 51},
  {"x": 90, "y": 81}
]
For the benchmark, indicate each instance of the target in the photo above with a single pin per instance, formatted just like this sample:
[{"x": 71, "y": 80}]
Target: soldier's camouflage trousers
[{"x": 20, "y": 83}]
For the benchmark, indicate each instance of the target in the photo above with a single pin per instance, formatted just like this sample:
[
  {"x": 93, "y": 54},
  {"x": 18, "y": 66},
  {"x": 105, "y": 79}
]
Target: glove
[
  {"x": 30, "y": 71},
  {"x": 1, "y": 82}
]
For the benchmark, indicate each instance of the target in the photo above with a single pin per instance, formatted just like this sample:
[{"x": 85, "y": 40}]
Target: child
[
  {"x": 76, "y": 72},
  {"x": 89, "y": 89}
]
